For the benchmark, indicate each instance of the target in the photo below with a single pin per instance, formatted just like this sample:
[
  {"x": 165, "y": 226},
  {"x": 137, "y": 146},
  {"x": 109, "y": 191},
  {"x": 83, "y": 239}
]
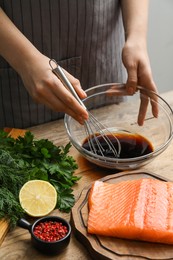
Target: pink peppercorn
[{"x": 50, "y": 231}]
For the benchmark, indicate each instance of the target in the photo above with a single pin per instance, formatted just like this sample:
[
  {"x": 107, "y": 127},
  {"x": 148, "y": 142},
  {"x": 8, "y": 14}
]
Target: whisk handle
[{"x": 61, "y": 75}]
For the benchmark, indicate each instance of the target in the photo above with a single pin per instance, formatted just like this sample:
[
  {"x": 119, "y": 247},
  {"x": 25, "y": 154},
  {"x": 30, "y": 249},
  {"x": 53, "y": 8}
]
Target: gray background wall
[{"x": 160, "y": 43}]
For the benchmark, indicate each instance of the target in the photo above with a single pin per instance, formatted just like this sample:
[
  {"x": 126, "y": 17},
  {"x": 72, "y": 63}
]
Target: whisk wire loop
[{"x": 105, "y": 133}]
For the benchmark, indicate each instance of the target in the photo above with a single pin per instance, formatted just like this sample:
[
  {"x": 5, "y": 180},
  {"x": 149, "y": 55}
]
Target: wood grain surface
[{"x": 17, "y": 244}]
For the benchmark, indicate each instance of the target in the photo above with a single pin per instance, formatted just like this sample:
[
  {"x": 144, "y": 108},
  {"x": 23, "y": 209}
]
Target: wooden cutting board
[
  {"x": 4, "y": 225},
  {"x": 107, "y": 248}
]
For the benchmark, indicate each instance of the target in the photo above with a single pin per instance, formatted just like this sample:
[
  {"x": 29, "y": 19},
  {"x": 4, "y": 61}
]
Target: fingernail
[
  {"x": 85, "y": 117},
  {"x": 84, "y": 93},
  {"x": 81, "y": 120},
  {"x": 130, "y": 90}
]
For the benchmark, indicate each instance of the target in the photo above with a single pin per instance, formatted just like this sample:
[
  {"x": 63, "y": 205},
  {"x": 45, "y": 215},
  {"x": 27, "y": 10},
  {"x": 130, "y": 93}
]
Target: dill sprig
[{"x": 10, "y": 208}]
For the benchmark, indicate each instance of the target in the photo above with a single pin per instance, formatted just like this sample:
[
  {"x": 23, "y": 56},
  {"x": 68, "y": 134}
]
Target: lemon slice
[{"x": 38, "y": 198}]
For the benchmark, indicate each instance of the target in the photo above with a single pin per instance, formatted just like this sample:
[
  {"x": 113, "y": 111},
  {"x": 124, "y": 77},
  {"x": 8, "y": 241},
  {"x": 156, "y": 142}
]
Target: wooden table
[{"x": 17, "y": 242}]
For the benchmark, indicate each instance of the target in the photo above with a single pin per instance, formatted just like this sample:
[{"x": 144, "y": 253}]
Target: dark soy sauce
[{"x": 132, "y": 145}]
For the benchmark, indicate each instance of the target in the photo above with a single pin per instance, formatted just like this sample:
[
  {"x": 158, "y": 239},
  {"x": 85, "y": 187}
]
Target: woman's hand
[
  {"x": 136, "y": 62},
  {"x": 45, "y": 87},
  {"x": 134, "y": 54}
]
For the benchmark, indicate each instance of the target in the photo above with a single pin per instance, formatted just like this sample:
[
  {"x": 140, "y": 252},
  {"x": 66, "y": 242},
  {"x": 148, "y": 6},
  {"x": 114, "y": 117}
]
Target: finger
[
  {"x": 58, "y": 97},
  {"x": 153, "y": 95},
  {"x": 68, "y": 99},
  {"x": 132, "y": 80},
  {"x": 118, "y": 90},
  {"x": 142, "y": 109},
  {"x": 76, "y": 84},
  {"x": 59, "y": 106},
  {"x": 154, "y": 102},
  {"x": 155, "y": 108}
]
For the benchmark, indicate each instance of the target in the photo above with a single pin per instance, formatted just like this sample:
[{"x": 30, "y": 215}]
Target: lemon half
[{"x": 38, "y": 198}]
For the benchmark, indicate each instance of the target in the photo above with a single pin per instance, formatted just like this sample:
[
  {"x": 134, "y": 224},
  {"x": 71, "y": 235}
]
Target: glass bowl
[{"x": 118, "y": 112}]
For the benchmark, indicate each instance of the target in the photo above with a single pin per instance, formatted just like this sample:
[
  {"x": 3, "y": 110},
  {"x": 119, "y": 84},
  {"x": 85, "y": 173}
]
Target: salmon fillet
[{"x": 134, "y": 209}]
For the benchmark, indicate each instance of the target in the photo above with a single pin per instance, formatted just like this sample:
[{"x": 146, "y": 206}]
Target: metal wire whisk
[{"x": 93, "y": 128}]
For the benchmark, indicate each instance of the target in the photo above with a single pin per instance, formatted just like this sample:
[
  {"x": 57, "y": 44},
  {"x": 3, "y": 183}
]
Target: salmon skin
[{"x": 135, "y": 209}]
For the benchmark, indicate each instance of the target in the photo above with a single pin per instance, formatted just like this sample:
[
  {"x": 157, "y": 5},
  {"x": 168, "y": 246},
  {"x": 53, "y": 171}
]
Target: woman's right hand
[{"x": 46, "y": 88}]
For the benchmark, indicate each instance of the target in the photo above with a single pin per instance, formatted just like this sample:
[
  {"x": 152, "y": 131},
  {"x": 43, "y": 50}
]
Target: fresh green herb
[{"x": 24, "y": 159}]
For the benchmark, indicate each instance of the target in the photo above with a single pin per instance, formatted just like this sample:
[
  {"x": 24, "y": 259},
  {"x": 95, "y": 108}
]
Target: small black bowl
[{"x": 46, "y": 247}]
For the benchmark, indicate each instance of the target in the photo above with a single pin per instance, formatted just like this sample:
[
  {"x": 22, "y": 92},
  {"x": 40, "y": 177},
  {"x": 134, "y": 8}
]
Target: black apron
[{"x": 84, "y": 36}]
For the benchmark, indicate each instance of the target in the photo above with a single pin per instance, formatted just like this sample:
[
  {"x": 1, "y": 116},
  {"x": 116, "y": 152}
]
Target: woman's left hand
[{"x": 137, "y": 64}]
